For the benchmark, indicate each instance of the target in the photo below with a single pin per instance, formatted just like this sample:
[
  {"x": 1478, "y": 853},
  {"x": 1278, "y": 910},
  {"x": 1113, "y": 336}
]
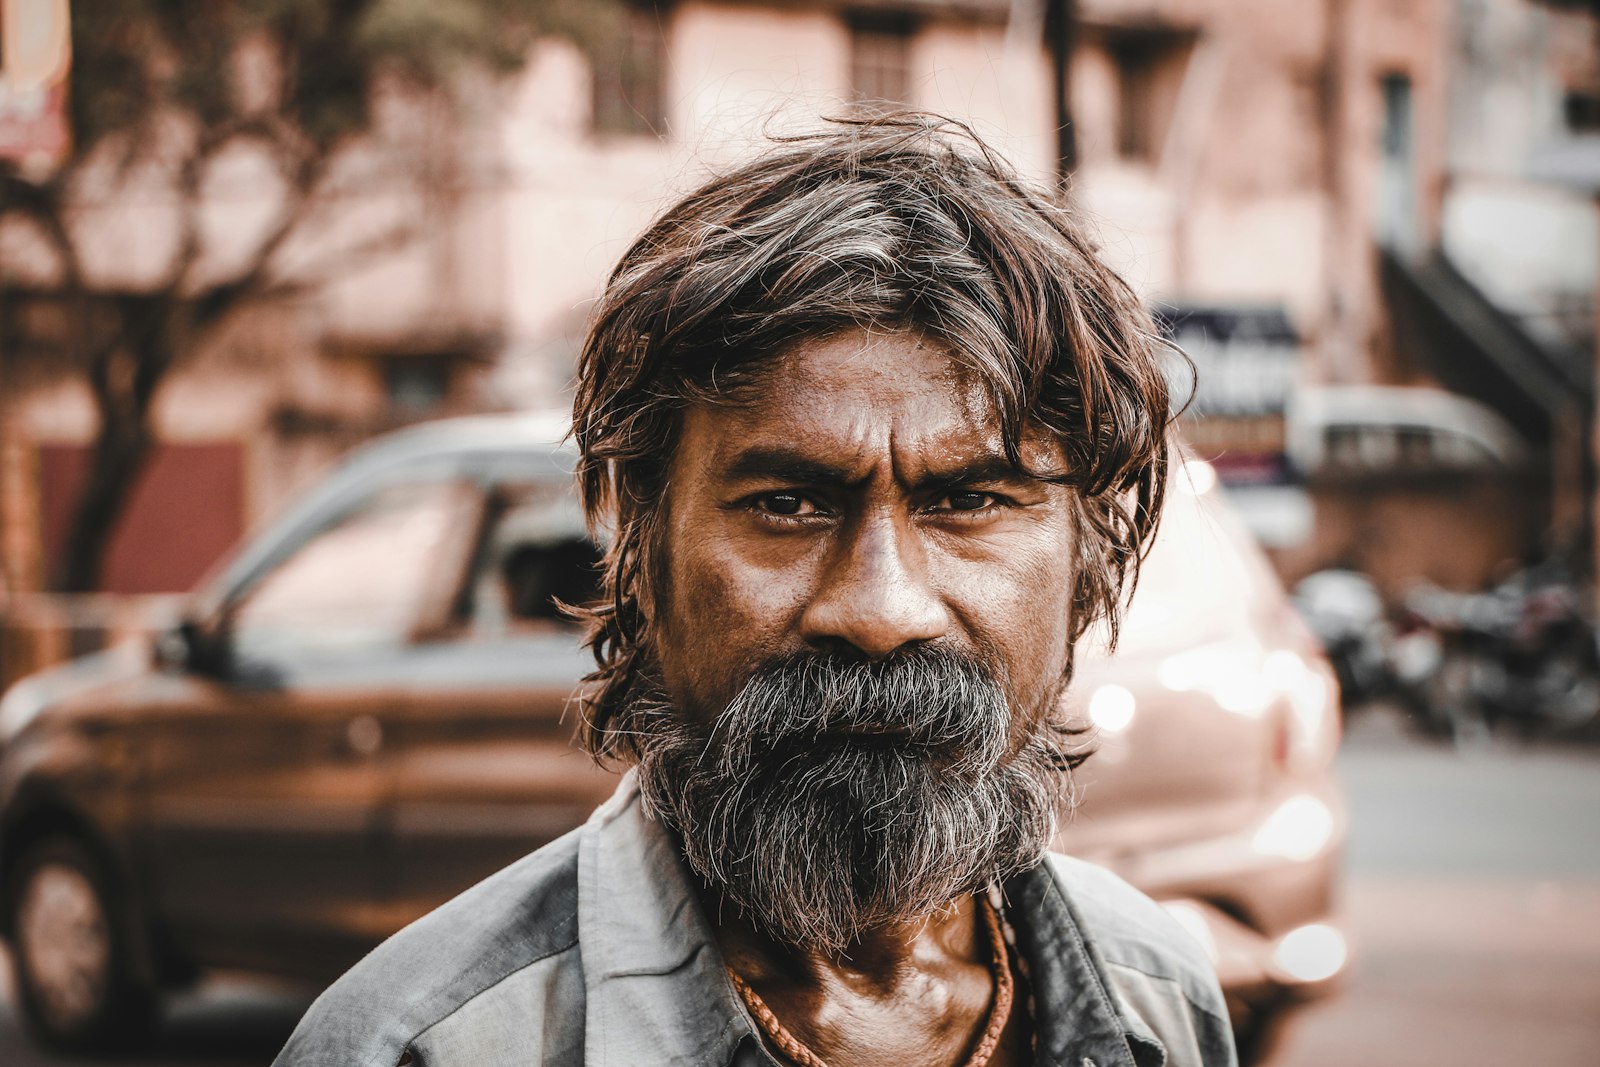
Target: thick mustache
[
  {"x": 832, "y": 796},
  {"x": 922, "y": 698}
]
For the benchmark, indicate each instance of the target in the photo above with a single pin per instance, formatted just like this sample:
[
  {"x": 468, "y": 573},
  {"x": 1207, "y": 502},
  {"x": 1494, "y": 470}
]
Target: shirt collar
[
  {"x": 657, "y": 991},
  {"x": 1080, "y": 1027}
]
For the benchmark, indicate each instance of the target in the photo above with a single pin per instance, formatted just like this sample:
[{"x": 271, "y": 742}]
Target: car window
[
  {"x": 361, "y": 585},
  {"x": 534, "y": 556}
]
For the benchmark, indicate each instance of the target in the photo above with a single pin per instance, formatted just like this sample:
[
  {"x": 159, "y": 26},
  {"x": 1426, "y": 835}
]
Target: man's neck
[
  {"x": 917, "y": 992},
  {"x": 879, "y": 960}
]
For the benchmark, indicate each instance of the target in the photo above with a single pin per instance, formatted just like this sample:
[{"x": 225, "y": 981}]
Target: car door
[
  {"x": 486, "y": 765},
  {"x": 269, "y": 780}
]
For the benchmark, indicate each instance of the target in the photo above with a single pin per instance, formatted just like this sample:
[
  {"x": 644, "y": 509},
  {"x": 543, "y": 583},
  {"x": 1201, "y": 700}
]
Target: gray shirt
[{"x": 594, "y": 951}]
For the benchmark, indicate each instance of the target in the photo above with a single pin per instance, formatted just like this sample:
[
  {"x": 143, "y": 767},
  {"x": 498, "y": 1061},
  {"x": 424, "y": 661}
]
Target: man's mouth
[
  {"x": 870, "y": 738},
  {"x": 866, "y": 738}
]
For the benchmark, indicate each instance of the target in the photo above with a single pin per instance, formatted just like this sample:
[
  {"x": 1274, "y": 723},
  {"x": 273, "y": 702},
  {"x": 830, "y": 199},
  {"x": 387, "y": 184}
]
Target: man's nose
[{"x": 875, "y": 595}]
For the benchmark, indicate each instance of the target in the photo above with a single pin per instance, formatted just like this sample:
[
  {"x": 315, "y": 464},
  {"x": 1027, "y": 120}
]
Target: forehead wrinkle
[
  {"x": 930, "y": 452},
  {"x": 775, "y": 428},
  {"x": 895, "y": 406},
  {"x": 907, "y": 447}
]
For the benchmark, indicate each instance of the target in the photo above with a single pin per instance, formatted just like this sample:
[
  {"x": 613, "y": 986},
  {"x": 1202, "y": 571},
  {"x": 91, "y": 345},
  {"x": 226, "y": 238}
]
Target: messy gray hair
[{"x": 903, "y": 221}]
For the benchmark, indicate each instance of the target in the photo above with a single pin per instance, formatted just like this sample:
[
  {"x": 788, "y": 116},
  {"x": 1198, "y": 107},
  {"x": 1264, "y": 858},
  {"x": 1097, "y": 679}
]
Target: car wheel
[{"x": 70, "y": 952}]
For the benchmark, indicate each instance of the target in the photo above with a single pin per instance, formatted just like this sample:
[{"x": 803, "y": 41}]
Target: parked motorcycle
[
  {"x": 1343, "y": 608},
  {"x": 1520, "y": 658}
]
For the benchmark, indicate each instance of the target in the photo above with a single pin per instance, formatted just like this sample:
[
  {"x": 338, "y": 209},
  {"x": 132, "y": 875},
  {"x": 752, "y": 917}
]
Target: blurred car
[
  {"x": 1212, "y": 789},
  {"x": 368, "y": 709}
]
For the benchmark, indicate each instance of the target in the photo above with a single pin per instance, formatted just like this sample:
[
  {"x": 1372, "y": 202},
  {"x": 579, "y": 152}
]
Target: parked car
[
  {"x": 368, "y": 709},
  {"x": 1213, "y": 790}
]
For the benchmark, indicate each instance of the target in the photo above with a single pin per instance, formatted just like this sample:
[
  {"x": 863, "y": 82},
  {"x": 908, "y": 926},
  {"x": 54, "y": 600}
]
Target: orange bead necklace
[{"x": 796, "y": 1051}]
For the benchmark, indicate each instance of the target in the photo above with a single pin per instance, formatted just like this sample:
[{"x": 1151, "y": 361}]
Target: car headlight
[
  {"x": 1247, "y": 680},
  {"x": 1111, "y": 708},
  {"x": 1227, "y": 671},
  {"x": 1311, "y": 953},
  {"x": 1300, "y": 829}
]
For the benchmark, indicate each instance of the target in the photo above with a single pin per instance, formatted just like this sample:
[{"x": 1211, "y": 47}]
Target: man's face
[
  {"x": 861, "y": 640},
  {"x": 858, "y": 500}
]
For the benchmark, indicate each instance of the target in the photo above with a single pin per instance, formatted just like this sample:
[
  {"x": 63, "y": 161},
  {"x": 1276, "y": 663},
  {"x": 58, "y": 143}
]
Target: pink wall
[{"x": 187, "y": 510}]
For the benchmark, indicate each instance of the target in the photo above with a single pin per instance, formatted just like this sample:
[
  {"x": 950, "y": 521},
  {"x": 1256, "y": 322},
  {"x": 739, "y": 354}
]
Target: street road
[{"x": 1473, "y": 901}]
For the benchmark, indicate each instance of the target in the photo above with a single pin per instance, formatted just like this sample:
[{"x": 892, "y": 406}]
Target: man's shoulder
[
  {"x": 512, "y": 927},
  {"x": 1132, "y": 933}
]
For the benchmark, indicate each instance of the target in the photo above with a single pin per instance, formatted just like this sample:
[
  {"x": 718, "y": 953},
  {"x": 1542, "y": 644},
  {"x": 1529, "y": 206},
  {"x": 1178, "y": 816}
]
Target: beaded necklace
[{"x": 999, "y": 1010}]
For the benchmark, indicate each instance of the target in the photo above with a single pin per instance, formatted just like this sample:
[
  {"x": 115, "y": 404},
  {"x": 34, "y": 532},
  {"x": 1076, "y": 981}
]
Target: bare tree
[{"x": 161, "y": 92}]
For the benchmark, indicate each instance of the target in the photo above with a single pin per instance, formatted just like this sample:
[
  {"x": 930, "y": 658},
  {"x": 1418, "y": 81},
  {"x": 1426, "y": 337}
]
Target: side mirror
[{"x": 192, "y": 648}]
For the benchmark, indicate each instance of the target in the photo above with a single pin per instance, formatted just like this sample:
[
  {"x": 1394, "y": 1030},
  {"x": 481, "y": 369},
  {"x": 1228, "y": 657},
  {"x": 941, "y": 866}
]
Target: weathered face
[{"x": 859, "y": 501}]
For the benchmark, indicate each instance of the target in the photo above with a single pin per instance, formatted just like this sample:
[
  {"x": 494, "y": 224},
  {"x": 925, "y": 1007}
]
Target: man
[{"x": 875, "y": 437}]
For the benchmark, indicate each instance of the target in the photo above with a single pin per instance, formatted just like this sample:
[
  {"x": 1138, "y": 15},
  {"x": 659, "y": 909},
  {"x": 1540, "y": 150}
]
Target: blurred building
[
  {"x": 1487, "y": 277},
  {"x": 1287, "y": 183}
]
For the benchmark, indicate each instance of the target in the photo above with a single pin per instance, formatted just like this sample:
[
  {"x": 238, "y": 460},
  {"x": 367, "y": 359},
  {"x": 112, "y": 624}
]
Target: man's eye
[
  {"x": 967, "y": 501},
  {"x": 785, "y": 504}
]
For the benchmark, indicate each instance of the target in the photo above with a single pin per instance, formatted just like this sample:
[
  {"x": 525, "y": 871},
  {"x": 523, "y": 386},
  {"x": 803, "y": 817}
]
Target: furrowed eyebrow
[
  {"x": 790, "y": 466},
  {"x": 986, "y": 470},
  {"x": 787, "y": 465}
]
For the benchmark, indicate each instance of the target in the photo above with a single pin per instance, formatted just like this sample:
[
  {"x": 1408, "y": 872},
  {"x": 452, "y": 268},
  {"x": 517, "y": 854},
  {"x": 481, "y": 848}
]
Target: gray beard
[{"x": 833, "y": 797}]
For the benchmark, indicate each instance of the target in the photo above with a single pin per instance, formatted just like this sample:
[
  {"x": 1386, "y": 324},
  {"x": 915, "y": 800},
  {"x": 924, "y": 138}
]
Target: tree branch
[
  {"x": 214, "y": 304},
  {"x": 44, "y": 203},
  {"x": 348, "y": 258}
]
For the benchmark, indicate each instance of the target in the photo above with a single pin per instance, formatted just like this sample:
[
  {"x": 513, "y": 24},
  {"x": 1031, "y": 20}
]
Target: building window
[
  {"x": 629, "y": 71},
  {"x": 417, "y": 385},
  {"x": 1396, "y": 216},
  {"x": 1396, "y": 91},
  {"x": 880, "y": 58},
  {"x": 1134, "y": 59},
  {"x": 1147, "y": 68}
]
